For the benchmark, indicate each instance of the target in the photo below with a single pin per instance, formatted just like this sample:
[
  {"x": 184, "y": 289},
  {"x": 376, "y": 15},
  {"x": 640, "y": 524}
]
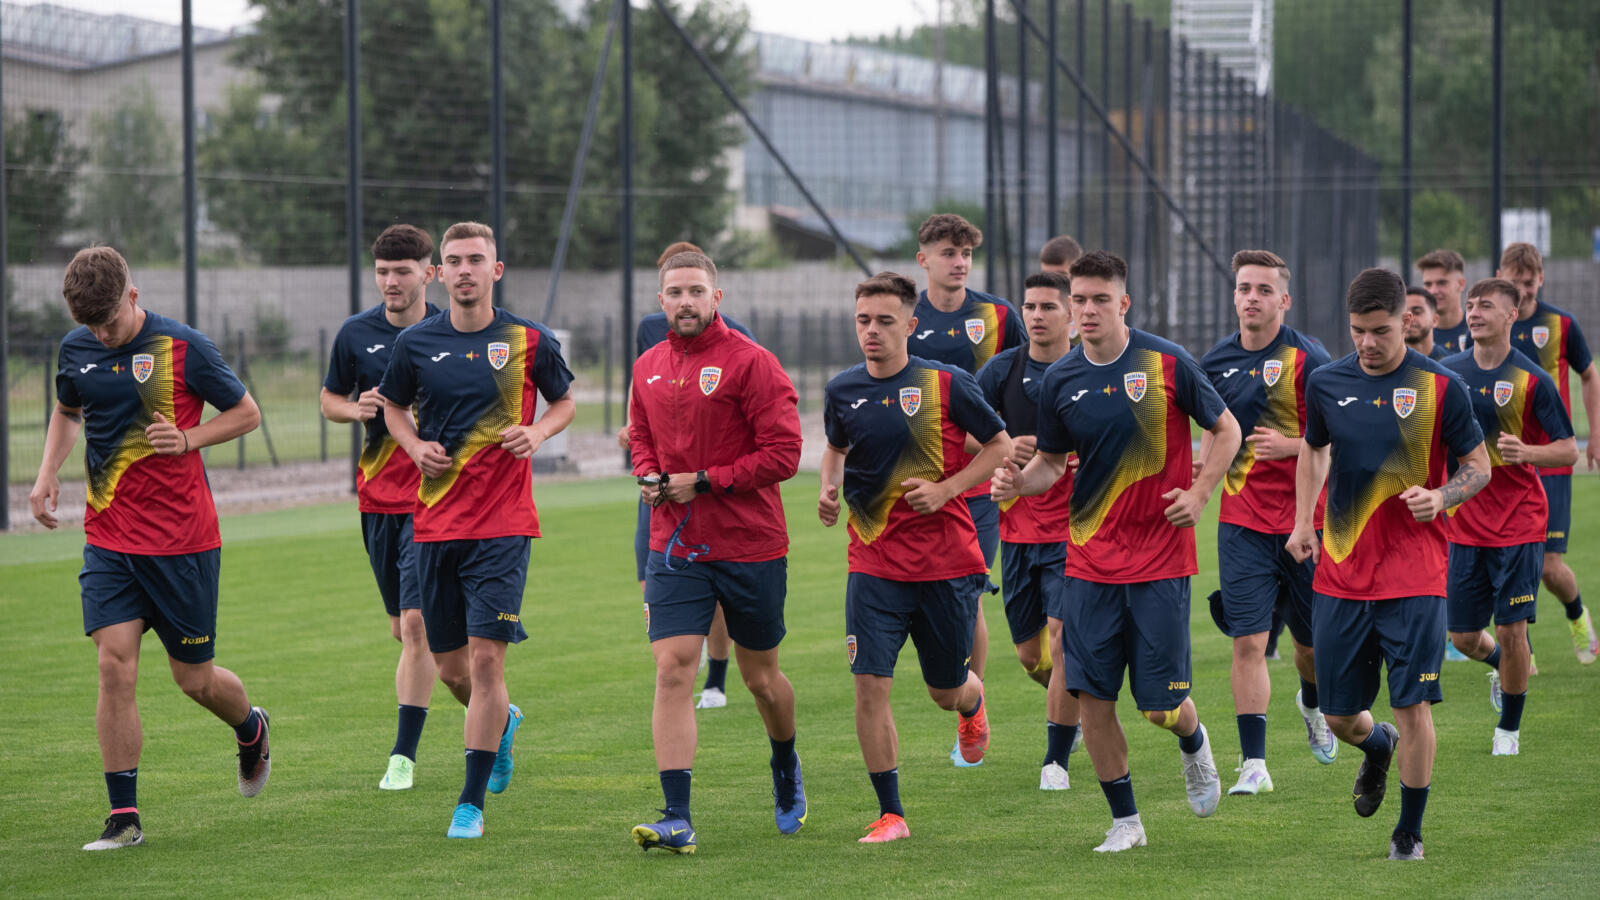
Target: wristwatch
[{"x": 702, "y": 482}]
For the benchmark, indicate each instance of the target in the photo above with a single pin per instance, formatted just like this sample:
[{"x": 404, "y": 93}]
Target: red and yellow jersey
[
  {"x": 1551, "y": 338},
  {"x": 1012, "y": 389},
  {"x": 138, "y": 501}
]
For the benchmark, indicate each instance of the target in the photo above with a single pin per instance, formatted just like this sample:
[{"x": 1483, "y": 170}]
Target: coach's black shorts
[
  {"x": 1143, "y": 627},
  {"x": 472, "y": 588},
  {"x": 938, "y": 616},
  {"x": 1255, "y": 570},
  {"x": 1034, "y": 580},
  {"x": 1493, "y": 583},
  {"x": 175, "y": 595},
  {"x": 682, "y": 599},
  {"x": 394, "y": 559},
  {"x": 1558, "y": 490},
  {"x": 1355, "y": 636}
]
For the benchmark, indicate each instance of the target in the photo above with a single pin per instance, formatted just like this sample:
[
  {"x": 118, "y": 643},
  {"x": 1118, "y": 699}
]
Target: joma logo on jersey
[
  {"x": 910, "y": 400},
  {"x": 202, "y": 639},
  {"x": 508, "y": 617},
  {"x": 1271, "y": 370},
  {"x": 1405, "y": 400},
  {"x": 710, "y": 377},
  {"x": 1177, "y": 685},
  {"x": 1427, "y": 677},
  {"x": 1541, "y": 336},
  {"x": 499, "y": 354},
  {"x": 1134, "y": 383},
  {"x": 850, "y": 647},
  {"x": 975, "y": 330},
  {"x": 1521, "y": 599},
  {"x": 143, "y": 365},
  {"x": 1502, "y": 393}
]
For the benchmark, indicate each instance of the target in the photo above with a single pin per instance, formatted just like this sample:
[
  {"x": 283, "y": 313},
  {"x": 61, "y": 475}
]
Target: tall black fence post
[
  {"x": 497, "y": 136},
  {"x": 1022, "y": 158},
  {"x": 1498, "y": 164},
  {"x": 5, "y": 341},
  {"x": 605, "y": 343},
  {"x": 352, "y": 212},
  {"x": 625, "y": 152},
  {"x": 1406, "y": 41},
  {"x": 191, "y": 203},
  {"x": 991, "y": 115},
  {"x": 1052, "y": 102},
  {"x": 1127, "y": 126}
]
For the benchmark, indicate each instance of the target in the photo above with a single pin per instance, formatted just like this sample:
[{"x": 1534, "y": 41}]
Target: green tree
[
  {"x": 41, "y": 163},
  {"x": 134, "y": 196}
]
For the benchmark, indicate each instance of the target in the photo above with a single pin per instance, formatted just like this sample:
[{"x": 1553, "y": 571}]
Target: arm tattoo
[{"x": 1462, "y": 485}]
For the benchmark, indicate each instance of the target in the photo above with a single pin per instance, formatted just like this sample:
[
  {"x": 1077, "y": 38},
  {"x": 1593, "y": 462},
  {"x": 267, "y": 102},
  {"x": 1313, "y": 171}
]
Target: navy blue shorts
[
  {"x": 1256, "y": 571},
  {"x": 394, "y": 559},
  {"x": 1355, "y": 636},
  {"x": 1142, "y": 627},
  {"x": 986, "y": 519},
  {"x": 682, "y": 600},
  {"x": 641, "y": 540},
  {"x": 472, "y": 588},
  {"x": 1558, "y": 490},
  {"x": 175, "y": 595},
  {"x": 1035, "y": 580},
  {"x": 938, "y": 616},
  {"x": 1498, "y": 583}
]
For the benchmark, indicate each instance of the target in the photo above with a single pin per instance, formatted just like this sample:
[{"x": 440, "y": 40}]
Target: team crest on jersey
[
  {"x": 499, "y": 354},
  {"x": 1541, "y": 336},
  {"x": 910, "y": 400},
  {"x": 1405, "y": 400},
  {"x": 975, "y": 330},
  {"x": 850, "y": 647},
  {"x": 1502, "y": 393},
  {"x": 1134, "y": 383},
  {"x": 1271, "y": 370},
  {"x": 143, "y": 365},
  {"x": 710, "y": 377}
]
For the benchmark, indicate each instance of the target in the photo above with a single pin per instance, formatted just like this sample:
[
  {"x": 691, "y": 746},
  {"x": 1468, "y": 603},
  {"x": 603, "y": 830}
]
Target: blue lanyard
[{"x": 694, "y": 549}]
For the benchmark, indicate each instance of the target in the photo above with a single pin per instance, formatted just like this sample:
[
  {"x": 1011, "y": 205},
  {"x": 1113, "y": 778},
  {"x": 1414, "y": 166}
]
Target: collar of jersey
[{"x": 1114, "y": 361}]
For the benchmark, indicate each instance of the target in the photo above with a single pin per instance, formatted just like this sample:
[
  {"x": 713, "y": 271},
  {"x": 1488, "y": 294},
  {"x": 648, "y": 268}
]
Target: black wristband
[{"x": 702, "y": 482}]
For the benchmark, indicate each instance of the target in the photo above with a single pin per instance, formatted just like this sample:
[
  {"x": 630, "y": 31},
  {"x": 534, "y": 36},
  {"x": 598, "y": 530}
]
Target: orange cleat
[
  {"x": 972, "y": 735},
  {"x": 889, "y": 827}
]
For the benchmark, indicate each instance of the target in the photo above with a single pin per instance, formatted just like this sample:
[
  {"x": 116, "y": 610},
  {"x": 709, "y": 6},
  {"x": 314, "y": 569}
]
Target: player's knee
[
  {"x": 946, "y": 698},
  {"x": 1028, "y": 654},
  {"x": 118, "y": 672},
  {"x": 397, "y": 628},
  {"x": 194, "y": 681},
  {"x": 1510, "y": 634},
  {"x": 456, "y": 678},
  {"x": 410, "y": 629},
  {"x": 1466, "y": 642},
  {"x": 1162, "y": 718},
  {"x": 1250, "y": 646},
  {"x": 1343, "y": 727}
]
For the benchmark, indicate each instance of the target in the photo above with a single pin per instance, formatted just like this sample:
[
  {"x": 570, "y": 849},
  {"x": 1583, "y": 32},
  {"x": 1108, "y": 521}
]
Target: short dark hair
[
  {"x": 1376, "y": 290},
  {"x": 1448, "y": 260},
  {"x": 1049, "y": 280},
  {"x": 1261, "y": 258},
  {"x": 399, "y": 242},
  {"x": 891, "y": 283},
  {"x": 1415, "y": 291},
  {"x": 949, "y": 226},
  {"x": 93, "y": 285},
  {"x": 1099, "y": 264},
  {"x": 1060, "y": 250},
  {"x": 674, "y": 248},
  {"x": 1495, "y": 286}
]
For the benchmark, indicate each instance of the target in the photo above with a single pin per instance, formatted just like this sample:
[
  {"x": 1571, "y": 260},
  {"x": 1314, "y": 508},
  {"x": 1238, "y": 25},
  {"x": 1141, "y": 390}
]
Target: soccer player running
[
  {"x": 1497, "y": 538},
  {"x": 1034, "y": 530},
  {"x": 714, "y": 432},
  {"x": 386, "y": 481},
  {"x": 653, "y": 330},
  {"x": 1444, "y": 276},
  {"x": 1423, "y": 311},
  {"x": 965, "y": 328},
  {"x": 472, "y": 373},
  {"x": 1380, "y": 424},
  {"x": 1551, "y": 337},
  {"x": 1123, "y": 401},
  {"x": 896, "y": 425},
  {"x": 135, "y": 383},
  {"x": 1260, "y": 371}
]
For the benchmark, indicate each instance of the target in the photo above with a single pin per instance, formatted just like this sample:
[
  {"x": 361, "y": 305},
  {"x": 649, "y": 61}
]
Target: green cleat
[{"x": 399, "y": 776}]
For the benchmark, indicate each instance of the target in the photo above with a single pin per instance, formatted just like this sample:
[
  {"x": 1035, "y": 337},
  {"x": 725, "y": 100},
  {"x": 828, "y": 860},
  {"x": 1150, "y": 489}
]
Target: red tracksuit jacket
[{"x": 720, "y": 402}]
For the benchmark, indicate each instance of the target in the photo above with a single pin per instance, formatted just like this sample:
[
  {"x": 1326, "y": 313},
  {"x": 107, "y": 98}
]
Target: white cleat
[
  {"x": 1585, "y": 642},
  {"x": 1253, "y": 778},
  {"x": 1053, "y": 777},
  {"x": 711, "y": 698},
  {"x": 1506, "y": 743},
  {"x": 1200, "y": 779},
  {"x": 1496, "y": 698},
  {"x": 1324, "y": 747},
  {"x": 1122, "y": 836}
]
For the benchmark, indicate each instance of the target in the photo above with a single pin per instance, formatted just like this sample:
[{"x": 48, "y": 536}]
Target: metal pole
[
  {"x": 1127, "y": 123},
  {"x": 1083, "y": 171},
  {"x": 1498, "y": 163},
  {"x": 938, "y": 106},
  {"x": 1406, "y": 41},
  {"x": 990, "y": 165},
  {"x": 625, "y": 152},
  {"x": 5, "y": 338},
  {"x": 322, "y": 378},
  {"x": 352, "y": 82},
  {"x": 497, "y": 131},
  {"x": 606, "y": 360},
  {"x": 1053, "y": 138},
  {"x": 191, "y": 303},
  {"x": 1022, "y": 157},
  {"x": 1105, "y": 131}
]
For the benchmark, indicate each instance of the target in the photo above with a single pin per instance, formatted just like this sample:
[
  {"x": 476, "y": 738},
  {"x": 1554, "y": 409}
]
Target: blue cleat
[
  {"x": 500, "y": 776},
  {"x": 789, "y": 799},
  {"x": 466, "y": 823},
  {"x": 671, "y": 834}
]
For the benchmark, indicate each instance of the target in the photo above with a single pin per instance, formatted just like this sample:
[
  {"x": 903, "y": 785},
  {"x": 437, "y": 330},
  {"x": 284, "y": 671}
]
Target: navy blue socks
[
  {"x": 675, "y": 791},
  {"x": 1511, "y": 710},
  {"x": 716, "y": 674},
  {"x": 1119, "y": 794},
  {"x": 409, "y": 731},
  {"x": 887, "y": 786},
  {"x": 1252, "y": 736},
  {"x": 1058, "y": 743},
  {"x": 1412, "y": 803},
  {"x": 480, "y": 763},
  {"x": 123, "y": 790},
  {"x": 1308, "y": 694}
]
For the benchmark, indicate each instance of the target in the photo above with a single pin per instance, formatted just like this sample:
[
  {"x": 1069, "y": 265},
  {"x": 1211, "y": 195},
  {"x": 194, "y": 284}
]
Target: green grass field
[{"x": 302, "y": 624}]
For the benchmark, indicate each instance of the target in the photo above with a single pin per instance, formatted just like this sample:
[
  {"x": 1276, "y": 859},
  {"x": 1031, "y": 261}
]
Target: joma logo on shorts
[
  {"x": 202, "y": 639},
  {"x": 508, "y": 617},
  {"x": 1525, "y": 598},
  {"x": 1428, "y": 676},
  {"x": 1177, "y": 685}
]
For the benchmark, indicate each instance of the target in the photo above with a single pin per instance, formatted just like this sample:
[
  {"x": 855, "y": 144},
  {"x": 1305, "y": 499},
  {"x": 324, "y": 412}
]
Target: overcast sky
[{"x": 818, "y": 20}]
